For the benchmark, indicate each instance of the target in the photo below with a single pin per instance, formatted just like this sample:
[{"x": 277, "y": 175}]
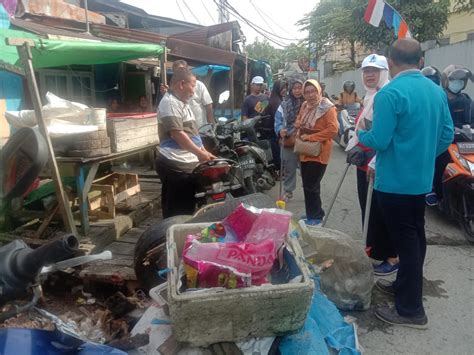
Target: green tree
[
  {"x": 263, "y": 50},
  {"x": 335, "y": 22},
  {"x": 277, "y": 58}
]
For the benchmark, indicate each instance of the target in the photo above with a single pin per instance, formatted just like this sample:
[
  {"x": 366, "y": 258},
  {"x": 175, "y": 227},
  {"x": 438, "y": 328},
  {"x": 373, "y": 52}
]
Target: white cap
[
  {"x": 257, "y": 80},
  {"x": 376, "y": 61}
]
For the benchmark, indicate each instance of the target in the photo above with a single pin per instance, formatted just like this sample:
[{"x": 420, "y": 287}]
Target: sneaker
[
  {"x": 287, "y": 196},
  {"x": 313, "y": 222},
  {"x": 385, "y": 287},
  {"x": 385, "y": 269},
  {"x": 390, "y": 315},
  {"x": 431, "y": 199}
]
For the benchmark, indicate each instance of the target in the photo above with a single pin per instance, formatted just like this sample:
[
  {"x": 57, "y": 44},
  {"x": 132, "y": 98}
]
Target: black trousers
[
  {"x": 440, "y": 165},
  {"x": 379, "y": 244},
  {"x": 177, "y": 190},
  {"x": 405, "y": 219},
  {"x": 312, "y": 173}
]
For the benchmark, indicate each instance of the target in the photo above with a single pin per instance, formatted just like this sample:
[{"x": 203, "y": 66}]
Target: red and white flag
[{"x": 374, "y": 12}]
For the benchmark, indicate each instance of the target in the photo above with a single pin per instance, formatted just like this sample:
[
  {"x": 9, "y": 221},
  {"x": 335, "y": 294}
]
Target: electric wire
[
  {"x": 230, "y": 7},
  {"x": 180, "y": 10},
  {"x": 239, "y": 17},
  {"x": 208, "y": 12},
  {"x": 261, "y": 16},
  {"x": 272, "y": 20},
  {"x": 191, "y": 12}
]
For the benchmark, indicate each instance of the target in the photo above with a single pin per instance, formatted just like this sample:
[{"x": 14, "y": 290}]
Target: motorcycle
[
  {"x": 458, "y": 182},
  {"x": 23, "y": 269},
  {"x": 254, "y": 154},
  {"x": 216, "y": 180},
  {"x": 346, "y": 117}
]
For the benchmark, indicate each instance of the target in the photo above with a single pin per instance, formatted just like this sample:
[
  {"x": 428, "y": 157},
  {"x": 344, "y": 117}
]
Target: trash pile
[{"x": 246, "y": 249}]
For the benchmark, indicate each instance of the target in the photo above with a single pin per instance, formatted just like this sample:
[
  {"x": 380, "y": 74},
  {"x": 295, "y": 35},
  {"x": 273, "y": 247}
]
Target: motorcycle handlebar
[{"x": 29, "y": 262}]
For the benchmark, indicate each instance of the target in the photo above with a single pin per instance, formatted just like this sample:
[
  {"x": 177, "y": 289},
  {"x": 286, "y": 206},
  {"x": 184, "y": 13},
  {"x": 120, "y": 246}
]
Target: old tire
[{"x": 148, "y": 260}]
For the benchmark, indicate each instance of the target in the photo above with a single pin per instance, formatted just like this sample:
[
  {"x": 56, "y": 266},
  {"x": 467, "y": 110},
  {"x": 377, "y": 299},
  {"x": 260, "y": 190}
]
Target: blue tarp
[
  {"x": 204, "y": 69},
  {"x": 324, "y": 328}
]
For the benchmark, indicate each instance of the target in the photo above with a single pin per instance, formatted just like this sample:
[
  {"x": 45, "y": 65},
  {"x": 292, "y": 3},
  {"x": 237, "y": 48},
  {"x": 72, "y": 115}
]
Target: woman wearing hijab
[
  {"x": 285, "y": 118},
  {"x": 317, "y": 125},
  {"x": 379, "y": 246},
  {"x": 276, "y": 98}
]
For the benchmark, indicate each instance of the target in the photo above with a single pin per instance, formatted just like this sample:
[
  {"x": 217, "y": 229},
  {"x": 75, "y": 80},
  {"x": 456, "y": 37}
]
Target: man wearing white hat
[{"x": 256, "y": 103}]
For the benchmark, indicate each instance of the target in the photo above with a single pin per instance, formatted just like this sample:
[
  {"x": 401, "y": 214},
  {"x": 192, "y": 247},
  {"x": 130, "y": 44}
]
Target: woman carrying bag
[
  {"x": 317, "y": 125},
  {"x": 285, "y": 119}
]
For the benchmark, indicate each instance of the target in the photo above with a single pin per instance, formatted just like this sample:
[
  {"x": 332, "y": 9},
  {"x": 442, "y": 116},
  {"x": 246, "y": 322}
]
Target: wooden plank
[
  {"x": 131, "y": 191},
  {"x": 132, "y": 235},
  {"x": 19, "y": 42},
  {"x": 109, "y": 273},
  {"x": 119, "y": 248},
  {"x": 163, "y": 60},
  {"x": 47, "y": 220},
  {"x": 25, "y": 56},
  {"x": 4, "y": 125}
]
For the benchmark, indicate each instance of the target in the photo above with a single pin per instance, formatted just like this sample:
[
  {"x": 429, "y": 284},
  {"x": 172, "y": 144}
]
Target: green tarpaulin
[{"x": 55, "y": 53}]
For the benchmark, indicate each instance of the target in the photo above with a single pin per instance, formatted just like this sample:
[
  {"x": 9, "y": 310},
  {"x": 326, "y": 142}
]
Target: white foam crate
[{"x": 217, "y": 315}]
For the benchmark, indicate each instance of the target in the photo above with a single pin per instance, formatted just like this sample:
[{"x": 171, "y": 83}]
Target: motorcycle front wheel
[{"x": 250, "y": 185}]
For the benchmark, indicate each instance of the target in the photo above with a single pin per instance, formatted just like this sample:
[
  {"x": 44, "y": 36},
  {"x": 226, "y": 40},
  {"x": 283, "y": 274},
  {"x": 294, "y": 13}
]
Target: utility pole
[{"x": 223, "y": 12}]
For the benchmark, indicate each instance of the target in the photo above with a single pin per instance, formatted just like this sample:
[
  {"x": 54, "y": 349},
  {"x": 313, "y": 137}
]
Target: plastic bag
[
  {"x": 247, "y": 258},
  {"x": 253, "y": 225},
  {"x": 349, "y": 281},
  {"x": 270, "y": 224},
  {"x": 62, "y": 117},
  {"x": 240, "y": 221}
]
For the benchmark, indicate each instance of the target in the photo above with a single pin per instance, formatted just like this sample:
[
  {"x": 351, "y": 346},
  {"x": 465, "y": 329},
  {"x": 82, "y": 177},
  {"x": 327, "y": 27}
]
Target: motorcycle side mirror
[{"x": 224, "y": 96}]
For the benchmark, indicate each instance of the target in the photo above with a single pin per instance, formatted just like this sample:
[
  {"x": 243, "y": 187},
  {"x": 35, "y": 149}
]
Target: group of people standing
[{"x": 404, "y": 126}]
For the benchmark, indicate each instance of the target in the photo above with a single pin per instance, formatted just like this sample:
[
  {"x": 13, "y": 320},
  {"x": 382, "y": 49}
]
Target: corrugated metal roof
[
  {"x": 178, "y": 48},
  {"x": 120, "y": 6},
  {"x": 119, "y": 33},
  {"x": 43, "y": 30}
]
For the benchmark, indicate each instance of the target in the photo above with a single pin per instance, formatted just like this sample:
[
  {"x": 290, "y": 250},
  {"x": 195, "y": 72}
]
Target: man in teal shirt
[{"x": 411, "y": 127}]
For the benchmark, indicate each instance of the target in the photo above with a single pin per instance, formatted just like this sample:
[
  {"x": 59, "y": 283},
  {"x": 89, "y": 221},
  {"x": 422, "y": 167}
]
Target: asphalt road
[{"x": 448, "y": 284}]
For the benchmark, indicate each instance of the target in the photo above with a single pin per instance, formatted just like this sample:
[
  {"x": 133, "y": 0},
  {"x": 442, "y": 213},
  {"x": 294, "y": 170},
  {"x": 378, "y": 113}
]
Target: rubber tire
[
  {"x": 152, "y": 237},
  {"x": 250, "y": 185},
  {"x": 155, "y": 235}
]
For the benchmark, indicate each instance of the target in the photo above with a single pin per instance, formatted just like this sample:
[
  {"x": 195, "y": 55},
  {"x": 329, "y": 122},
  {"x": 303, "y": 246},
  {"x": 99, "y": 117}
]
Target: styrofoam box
[{"x": 220, "y": 315}]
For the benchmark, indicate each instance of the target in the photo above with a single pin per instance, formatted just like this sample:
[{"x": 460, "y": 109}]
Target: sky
[{"x": 276, "y": 16}]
